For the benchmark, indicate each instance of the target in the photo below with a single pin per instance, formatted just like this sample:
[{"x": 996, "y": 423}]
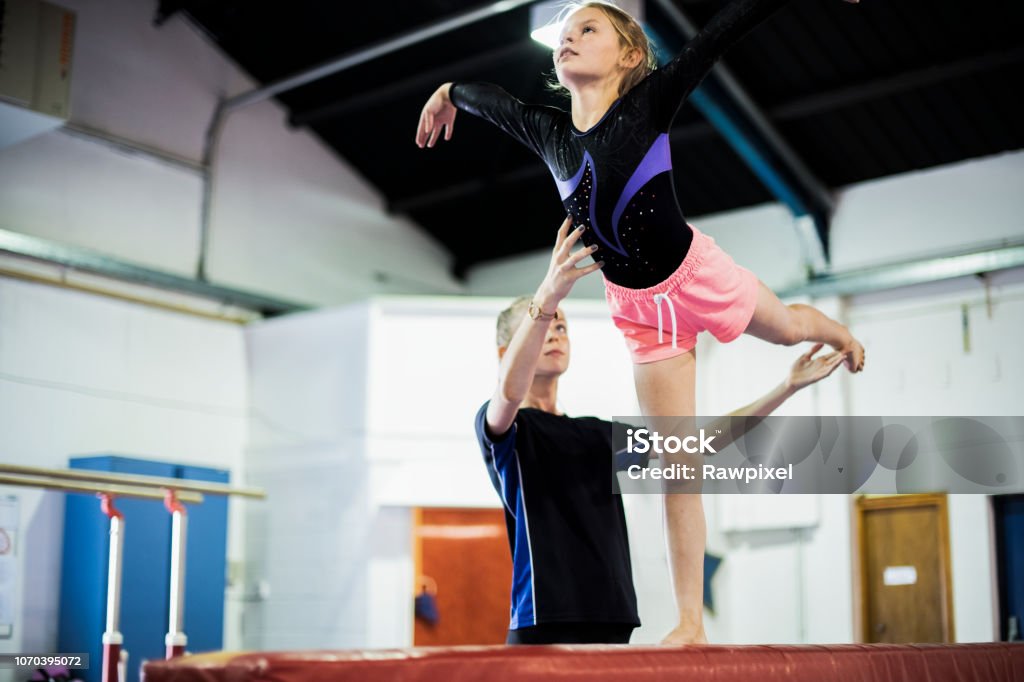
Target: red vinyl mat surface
[{"x": 860, "y": 662}]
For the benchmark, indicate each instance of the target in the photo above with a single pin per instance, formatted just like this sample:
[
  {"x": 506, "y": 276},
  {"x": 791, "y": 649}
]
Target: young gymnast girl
[{"x": 611, "y": 162}]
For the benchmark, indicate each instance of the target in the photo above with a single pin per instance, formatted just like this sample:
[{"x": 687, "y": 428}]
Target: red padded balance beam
[{"x": 860, "y": 662}]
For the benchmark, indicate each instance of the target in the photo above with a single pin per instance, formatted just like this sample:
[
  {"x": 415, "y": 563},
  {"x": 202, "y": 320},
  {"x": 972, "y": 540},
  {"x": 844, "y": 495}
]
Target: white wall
[
  {"x": 289, "y": 217},
  {"x": 309, "y": 544},
  {"x": 935, "y": 211},
  {"x": 917, "y": 365},
  {"x": 79, "y": 193},
  {"x": 916, "y": 341},
  {"x": 971, "y": 547},
  {"x": 152, "y": 85},
  {"x": 925, "y": 361},
  {"x": 433, "y": 364},
  {"x": 83, "y": 375}
]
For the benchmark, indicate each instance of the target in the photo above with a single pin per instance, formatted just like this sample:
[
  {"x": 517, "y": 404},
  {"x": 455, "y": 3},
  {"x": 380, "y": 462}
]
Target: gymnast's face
[{"x": 589, "y": 49}]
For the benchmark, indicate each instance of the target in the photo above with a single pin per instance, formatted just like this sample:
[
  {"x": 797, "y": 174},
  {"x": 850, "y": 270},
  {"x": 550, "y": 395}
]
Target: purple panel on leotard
[
  {"x": 617, "y": 246},
  {"x": 567, "y": 187},
  {"x": 657, "y": 160}
]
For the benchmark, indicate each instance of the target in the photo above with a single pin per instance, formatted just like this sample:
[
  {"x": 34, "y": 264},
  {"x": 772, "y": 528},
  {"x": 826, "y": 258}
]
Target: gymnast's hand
[
  {"x": 438, "y": 113},
  {"x": 562, "y": 271},
  {"x": 808, "y": 369}
]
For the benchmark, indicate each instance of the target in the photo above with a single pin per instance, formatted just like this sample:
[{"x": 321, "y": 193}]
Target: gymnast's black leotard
[{"x": 616, "y": 177}]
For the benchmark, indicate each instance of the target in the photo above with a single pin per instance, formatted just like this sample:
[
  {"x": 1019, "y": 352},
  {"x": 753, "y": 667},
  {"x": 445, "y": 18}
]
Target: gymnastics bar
[
  {"x": 174, "y": 492},
  {"x": 111, "y": 489},
  {"x": 107, "y": 492},
  {"x": 179, "y": 484},
  {"x": 997, "y": 662}
]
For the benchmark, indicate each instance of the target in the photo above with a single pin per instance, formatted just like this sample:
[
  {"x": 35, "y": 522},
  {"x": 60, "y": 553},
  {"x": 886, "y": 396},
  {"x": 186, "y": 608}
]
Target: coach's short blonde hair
[{"x": 509, "y": 319}]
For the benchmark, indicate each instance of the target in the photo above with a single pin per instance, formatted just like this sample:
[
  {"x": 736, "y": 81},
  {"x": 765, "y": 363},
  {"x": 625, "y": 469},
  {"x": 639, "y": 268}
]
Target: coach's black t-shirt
[{"x": 566, "y": 528}]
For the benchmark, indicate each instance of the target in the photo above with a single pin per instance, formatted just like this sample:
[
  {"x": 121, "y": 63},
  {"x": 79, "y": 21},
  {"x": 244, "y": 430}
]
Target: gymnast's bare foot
[
  {"x": 685, "y": 634},
  {"x": 840, "y": 338},
  {"x": 853, "y": 354}
]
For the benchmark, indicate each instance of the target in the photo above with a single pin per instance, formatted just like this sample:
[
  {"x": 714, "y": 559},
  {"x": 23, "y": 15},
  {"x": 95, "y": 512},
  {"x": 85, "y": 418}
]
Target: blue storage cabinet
[
  {"x": 145, "y": 572},
  {"x": 1009, "y": 517}
]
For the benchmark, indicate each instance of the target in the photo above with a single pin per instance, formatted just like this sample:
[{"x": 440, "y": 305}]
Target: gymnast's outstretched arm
[{"x": 529, "y": 124}]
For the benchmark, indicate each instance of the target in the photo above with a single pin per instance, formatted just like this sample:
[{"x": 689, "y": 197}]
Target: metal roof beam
[
  {"x": 372, "y": 52},
  {"x": 897, "y": 275},
  {"x": 892, "y": 85},
  {"x": 428, "y": 79}
]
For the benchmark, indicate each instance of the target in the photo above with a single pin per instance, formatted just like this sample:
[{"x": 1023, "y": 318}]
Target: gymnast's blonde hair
[{"x": 631, "y": 37}]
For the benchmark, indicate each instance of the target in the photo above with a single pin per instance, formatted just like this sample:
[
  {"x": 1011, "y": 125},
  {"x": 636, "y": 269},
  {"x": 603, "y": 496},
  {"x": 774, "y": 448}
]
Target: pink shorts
[{"x": 707, "y": 292}]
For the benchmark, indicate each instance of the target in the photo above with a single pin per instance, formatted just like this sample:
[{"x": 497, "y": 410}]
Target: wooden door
[
  {"x": 906, "y": 590},
  {"x": 463, "y": 556}
]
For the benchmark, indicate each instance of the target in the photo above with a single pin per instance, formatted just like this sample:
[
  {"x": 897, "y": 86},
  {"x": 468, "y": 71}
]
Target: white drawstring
[{"x": 658, "y": 298}]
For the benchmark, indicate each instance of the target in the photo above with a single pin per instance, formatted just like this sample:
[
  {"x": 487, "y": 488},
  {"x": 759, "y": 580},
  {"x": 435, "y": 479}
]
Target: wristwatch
[{"x": 536, "y": 313}]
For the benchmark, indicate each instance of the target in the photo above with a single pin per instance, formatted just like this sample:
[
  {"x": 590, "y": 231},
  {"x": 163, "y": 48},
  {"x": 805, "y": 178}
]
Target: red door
[{"x": 463, "y": 558}]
